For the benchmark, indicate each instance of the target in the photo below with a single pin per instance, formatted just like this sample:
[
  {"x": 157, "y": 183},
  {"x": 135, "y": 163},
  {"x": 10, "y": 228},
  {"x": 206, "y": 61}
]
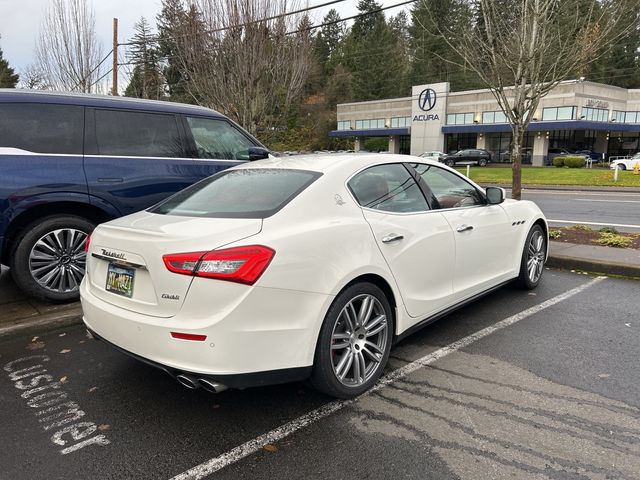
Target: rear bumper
[
  {"x": 246, "y": 380},
  {"x": 268, "y": 332}
]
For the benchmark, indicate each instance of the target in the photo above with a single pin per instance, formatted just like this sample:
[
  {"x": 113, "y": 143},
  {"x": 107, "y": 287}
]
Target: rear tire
[
  {"x": 354, "y": 342},
  {"x": 449, "y": 163},
  {"x": 533, "y": 258},
  {"x": 482, "y": 162},
  {"x": 48, "y": 261}
]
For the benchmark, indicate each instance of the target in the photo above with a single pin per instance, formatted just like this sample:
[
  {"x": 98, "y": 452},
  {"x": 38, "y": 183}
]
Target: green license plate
[{"x": 120, "y": 280}]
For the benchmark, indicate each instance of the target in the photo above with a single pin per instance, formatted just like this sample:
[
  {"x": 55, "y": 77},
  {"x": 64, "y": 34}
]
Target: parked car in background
[
  {"x": 626, "y": 163},
  {"x": 594, "y": 156},
  {"x": 556, "y": 152},
  {"x": 471, "y": 156},
  {"x": 433, "y": 155},
  {"x": 315, "y": 273},
  {"x": 69, "y": 162},
  {"x": 526, "y": 153}
]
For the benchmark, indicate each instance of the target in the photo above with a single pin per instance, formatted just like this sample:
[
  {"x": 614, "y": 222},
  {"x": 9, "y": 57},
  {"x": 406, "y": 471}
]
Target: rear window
[
  {"x": 243, "y": 193},
  {"x": 42, "y": 128}
]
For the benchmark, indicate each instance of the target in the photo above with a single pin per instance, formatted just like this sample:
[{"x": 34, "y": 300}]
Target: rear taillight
[
  {"x": 239, "y": 264},
  {"x": 87, "y": 242}
]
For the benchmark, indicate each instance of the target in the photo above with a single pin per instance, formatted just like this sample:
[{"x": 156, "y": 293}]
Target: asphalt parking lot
[{"x": 541, "y": 384}]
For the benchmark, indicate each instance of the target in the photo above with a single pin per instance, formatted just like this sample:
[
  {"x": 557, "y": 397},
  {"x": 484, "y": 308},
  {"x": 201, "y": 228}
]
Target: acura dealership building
[{"x": 575, "y": 115}]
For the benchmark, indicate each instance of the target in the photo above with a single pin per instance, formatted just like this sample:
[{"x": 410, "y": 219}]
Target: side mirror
[
  {"x": 495, "y": 195},
  {"x": 258, "y": 153}
]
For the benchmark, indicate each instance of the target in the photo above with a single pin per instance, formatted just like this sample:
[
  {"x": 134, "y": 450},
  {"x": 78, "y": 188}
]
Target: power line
[
  {"x": 86, "y": 77},
  {"x": 222, "y": 29}
]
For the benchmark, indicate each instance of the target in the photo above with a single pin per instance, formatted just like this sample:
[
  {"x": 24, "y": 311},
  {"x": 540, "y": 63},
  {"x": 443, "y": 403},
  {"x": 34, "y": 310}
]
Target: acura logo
[{"x": 427, "y": 99}]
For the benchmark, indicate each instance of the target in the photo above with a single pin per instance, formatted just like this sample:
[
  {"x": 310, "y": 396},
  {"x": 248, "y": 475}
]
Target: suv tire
[{"x": 48, "y": 260}]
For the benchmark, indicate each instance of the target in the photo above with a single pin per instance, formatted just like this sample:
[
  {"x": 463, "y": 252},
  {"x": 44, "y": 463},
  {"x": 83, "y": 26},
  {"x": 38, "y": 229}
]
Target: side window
[
  {"x": 218, "y": 139},
  {"x": 449, "y": 189},
  {"x": 137, "y": 134},
  {"x": 42, "y": 127},
  {"x": 388, "y": 187}
]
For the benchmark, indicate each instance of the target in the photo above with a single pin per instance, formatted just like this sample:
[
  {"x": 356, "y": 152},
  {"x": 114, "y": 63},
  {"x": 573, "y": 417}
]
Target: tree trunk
[{"x": 516, "y": 157}]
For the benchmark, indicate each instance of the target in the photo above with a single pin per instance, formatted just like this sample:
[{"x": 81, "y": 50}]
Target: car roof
[
  {"x": 10, "y": 95},
  {"x": 337, "y": 162}
]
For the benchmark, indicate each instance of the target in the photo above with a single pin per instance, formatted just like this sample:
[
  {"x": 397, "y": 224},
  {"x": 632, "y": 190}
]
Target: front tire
[
  {"x": 533, "y": 258},
  {"x": 354, "y": 342},
  {"x": 482, "y": 162},
  {"x": 449, "y": 163},
  {"x": 49, "y": 260}
]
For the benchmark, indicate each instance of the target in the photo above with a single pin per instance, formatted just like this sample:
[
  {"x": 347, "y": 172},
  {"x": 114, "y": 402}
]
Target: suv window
[
  {"x": 137, "y": 134},
  {"x": 243, "y": 193},
  {"x": 42, "y": 128},
  {"x": 388, "y": 187},
  {"x": 450, "y": 190},
  {"x": 218, "y": 139}
]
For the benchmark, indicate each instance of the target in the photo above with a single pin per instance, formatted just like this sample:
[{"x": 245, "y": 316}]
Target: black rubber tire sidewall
[
  {"x": 323, "y": 377},
  {"x": 482, "y": 162},
  {"x": 19, "y": 260},
  {"x": 449, "y": 163},
  {"x": 523, "y": 279}
]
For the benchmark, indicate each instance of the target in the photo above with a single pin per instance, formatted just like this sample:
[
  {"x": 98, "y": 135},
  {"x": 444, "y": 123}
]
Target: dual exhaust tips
[{"x": 192, "y": 383}]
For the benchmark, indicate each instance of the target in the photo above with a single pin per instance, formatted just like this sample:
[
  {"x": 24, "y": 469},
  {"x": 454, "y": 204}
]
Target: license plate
[{"x": 120, "y": 280}]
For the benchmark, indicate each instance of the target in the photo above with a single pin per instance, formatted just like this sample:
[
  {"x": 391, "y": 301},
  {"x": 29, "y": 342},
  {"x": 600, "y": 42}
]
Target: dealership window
[
  {"x": 344, "y": 125},
  {"x": 625, "y": 117},
  {"x": 595, "y": 114},
  {"x": 374, "y": 123},
  {"x": 459, "y": 118},
  {"x": 559, "y": 113},
  {"x": 494, "y": 117},
  {"x": 398, "y": 122}
]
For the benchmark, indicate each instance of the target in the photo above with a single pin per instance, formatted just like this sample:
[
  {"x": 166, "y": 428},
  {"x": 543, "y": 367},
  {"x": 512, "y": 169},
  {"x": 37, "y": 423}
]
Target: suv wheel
[
  {"x": 482, "y": 162},
  {"x": 449, "y": 162},
  {"x": 49, "y": 258}
]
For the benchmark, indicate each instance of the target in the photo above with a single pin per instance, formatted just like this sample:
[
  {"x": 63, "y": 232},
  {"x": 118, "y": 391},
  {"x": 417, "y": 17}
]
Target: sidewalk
[{"x": 20, "y": 314}]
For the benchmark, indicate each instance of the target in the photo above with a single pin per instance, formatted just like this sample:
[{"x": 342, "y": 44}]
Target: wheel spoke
[
  {"x": 344, "y": 364},
  {"x": 374, "y": 321},
  {"x": 340, "y": 346},
  {"x": 373, "y": 351},
  {"x": 365, "y": 310}
]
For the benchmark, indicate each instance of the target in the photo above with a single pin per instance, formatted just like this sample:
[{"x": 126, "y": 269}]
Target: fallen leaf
[
  {"x": 34, "y": 339},
  {"x": 104, "y": 427},
  {"x": 35, "y": 346},
  {"x": 270, "y": 447},
  {"x": 81, "y": 341},
  {"x": 62, "y": 335},
  {"x": 92, "y": 389},
  {"x": 63, "y": 380},
  {"x": 604, "y": 375},
  {"x": 65, "y": 350}
]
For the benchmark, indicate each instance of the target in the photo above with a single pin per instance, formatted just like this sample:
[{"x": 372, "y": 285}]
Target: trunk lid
[{"x": 124, "y": 261}]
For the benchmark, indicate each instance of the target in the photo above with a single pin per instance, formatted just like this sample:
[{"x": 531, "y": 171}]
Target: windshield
[{"x": 243, "y": 193}]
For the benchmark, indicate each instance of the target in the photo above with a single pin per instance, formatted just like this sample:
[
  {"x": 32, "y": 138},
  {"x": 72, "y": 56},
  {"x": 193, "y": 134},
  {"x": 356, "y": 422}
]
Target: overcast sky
[{"x": 20, "y": 22}]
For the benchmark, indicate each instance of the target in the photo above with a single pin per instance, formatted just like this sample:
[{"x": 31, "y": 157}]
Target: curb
[
  {"x": 593, "y": 266},
  {"x": 49, "y": 322},
  {"x": 567, "y": 188}
]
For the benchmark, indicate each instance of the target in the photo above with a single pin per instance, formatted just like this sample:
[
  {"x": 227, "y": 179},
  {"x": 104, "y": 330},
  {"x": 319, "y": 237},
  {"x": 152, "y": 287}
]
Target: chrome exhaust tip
[
  {"x": 187, "y": 381},
  {"x": 211, "y": 386}
]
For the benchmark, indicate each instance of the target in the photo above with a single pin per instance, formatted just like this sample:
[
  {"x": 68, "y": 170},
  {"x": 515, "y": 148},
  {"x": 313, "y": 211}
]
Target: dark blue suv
[{"x": 69, "y": 162}]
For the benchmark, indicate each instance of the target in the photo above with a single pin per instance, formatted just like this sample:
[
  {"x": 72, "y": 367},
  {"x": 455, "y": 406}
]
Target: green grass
[{"x": 553, "y": 176}]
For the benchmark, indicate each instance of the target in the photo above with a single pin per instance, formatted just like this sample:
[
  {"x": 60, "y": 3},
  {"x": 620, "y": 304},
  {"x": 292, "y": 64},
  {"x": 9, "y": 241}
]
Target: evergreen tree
[
  {"x": 8, "y": 78},
  {"x": 147, "y": 80}
]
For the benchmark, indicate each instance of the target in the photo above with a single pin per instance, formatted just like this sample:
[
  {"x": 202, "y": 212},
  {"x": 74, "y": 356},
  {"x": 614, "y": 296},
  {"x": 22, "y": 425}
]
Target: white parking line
[
  {"x": 581, "y": 222},
  {"x": 608, "y": 201},
  {"x": 252, "y": 446}
]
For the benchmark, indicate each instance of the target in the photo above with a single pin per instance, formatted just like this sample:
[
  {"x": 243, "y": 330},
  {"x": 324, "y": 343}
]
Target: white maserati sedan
[
  {"x": 626, "y": 163},
  {"x": 303, "y": 267}
]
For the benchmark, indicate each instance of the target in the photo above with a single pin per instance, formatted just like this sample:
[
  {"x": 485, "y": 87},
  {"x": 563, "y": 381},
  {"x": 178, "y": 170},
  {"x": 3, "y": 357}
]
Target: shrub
[
  {"x": 554, "y": 233},
  {"x": 609, "y": 230},
  {"x": 579, "y": 226},
  {"x": 614, "y": 240},
  {"x": 574, "y": 162},
  {"x": 558, "y": 162}
]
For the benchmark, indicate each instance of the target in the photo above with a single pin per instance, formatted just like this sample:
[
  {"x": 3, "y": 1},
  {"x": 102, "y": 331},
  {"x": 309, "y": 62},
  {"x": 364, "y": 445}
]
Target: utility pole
[{"x": 114, "y": 87}]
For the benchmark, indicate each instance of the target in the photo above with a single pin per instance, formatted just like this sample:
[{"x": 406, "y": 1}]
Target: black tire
[
  {"x": 68, "y": 261},
  {"x": 449, "y": 162},
  {"x": 482, "y": 162},
  {"x": 621, "y": 166},
  {"x": 324, "y": 376},
  {"x": 535, "y": 250}
]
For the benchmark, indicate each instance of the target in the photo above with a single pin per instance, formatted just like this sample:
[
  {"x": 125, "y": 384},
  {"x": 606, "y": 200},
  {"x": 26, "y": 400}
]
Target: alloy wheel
[
  {"x": 57, "y": 260},
  {"x": 359, "y": 340},
  {"x": 535, "y": 256}
]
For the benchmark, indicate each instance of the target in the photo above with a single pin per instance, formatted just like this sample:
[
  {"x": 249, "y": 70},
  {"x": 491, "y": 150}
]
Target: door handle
[
  {"x": 392, "y": 237},
  {"x": 464, "y": 228}
]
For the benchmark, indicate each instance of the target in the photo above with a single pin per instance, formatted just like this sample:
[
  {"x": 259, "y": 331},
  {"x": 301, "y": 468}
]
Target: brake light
[
  {"x": 238, "y": 264},
  {"x": 87, "y": 242}
]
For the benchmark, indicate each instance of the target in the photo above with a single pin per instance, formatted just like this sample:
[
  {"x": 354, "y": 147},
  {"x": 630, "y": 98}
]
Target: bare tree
[
  {"x": 239, "y": 58},
  {"x": 67, "y": 49},
  {"x": 522, "y": 49},
  {"x": 33, "y": 79}
]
